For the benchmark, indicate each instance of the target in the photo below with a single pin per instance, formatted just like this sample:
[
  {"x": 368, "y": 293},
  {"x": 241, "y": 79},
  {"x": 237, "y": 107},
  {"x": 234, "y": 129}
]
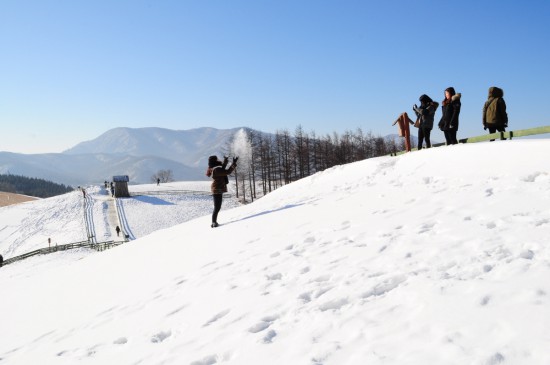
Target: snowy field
[
  {"x": 170, "y": 204},
  {"x": 61, "y": 218},
  {"x": 439, "y": 256}
]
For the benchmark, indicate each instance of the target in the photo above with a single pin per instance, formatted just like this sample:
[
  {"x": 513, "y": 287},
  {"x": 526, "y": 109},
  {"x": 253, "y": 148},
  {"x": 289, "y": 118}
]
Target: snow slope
[
  {"x": 435, "y": 257},
  {"x": 27, "y": 226}
]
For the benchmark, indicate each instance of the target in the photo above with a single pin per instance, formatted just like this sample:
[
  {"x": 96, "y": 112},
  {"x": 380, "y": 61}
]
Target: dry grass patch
[{"x": 10, "y": 199}]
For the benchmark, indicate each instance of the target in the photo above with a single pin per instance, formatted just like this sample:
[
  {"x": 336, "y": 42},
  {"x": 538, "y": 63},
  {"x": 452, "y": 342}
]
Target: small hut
[{"x": 121, "y": 186}]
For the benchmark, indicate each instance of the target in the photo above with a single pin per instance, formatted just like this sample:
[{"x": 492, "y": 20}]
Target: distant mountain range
[{"x": 136, "y": 152}]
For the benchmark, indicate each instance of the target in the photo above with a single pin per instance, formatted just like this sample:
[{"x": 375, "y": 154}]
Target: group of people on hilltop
[{"x": 495, "y": 117}]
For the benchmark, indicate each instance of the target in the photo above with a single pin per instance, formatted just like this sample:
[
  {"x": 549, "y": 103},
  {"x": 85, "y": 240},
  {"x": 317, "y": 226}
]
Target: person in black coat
[
  {"x": 425, "y": 114},
  {"x": 450, "y": 109},
  {"x": 219, "y": 174}
]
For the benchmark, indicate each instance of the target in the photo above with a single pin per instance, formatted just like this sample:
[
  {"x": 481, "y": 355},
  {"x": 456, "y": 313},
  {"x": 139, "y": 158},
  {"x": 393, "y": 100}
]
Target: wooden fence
[{"x": 100, "y": 246}]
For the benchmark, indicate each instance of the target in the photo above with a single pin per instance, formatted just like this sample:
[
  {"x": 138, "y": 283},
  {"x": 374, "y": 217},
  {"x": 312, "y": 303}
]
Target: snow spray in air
[{"x": 241, "y": 147}]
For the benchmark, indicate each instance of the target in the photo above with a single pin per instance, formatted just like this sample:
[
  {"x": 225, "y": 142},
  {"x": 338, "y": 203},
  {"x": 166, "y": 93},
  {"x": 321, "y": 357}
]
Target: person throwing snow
[{"x": 219, "y": 174}]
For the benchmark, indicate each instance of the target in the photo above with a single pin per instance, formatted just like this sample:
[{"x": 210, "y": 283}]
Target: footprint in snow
[
  {"x": 527, "y": 254},
  {"x": 345, "y": 225},
  {"x": 120, "y": 341},
  {"x": 333, "y": 304},
  {"x": 305, "y": 297},
  {"x": 426, "y": 227},
  {"x": 322, "y": 291},
  {"x": 495, "y": 359},
  {"x": 161, "y": 336},
  {"x": 488, "y": 192},
  {"x": 208, "y": 360},
  {"x": 485, "y": 300},
  {"x": 384, "y": 287},
  {"x": 277, "y": 276},
  {"x": 491, "y": 225},
  {"x": 322, "y": 278},
  {"x": 216, "y": 317},
  {"x": 263, "y": 324},
  {"x": 268, "y": 338},
  {"x": 531, "y": 178},
  {"x": 179, "y": 309}
]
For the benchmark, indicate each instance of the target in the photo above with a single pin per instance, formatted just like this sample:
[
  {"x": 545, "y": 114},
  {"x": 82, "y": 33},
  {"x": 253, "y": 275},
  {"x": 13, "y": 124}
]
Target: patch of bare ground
[{"x": 10, "y": 199}]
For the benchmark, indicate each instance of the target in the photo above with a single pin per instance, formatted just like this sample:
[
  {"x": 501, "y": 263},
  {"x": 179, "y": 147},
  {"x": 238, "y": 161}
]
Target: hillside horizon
[{"x": 136, "y": 152}]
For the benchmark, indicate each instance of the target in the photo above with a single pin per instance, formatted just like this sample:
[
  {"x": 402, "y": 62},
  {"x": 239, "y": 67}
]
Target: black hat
[
  {"x": 212, "y": 161},
  {"x": 425, "y": 99}
]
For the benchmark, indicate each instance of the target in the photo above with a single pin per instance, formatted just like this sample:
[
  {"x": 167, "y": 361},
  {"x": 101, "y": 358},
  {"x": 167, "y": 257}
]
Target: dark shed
[{"x": 121, "y": 186}]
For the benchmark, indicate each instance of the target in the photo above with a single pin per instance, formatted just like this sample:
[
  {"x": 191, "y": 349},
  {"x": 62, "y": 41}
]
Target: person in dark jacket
[
  {"x": 219, "y": 174},
  {"x": 450, "y": 109},
  {"x": 495, "y": 117},
  {"x": 425, "y": 114}
]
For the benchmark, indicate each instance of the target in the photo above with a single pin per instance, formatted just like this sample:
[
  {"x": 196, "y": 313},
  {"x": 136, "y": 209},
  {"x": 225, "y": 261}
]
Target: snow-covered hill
[{"x": 434, "y": 257}]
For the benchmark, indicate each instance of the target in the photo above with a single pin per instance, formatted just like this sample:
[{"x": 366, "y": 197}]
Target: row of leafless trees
[
  {"x": 163, "y": 176},
  {"x": 278, "y": 159}
]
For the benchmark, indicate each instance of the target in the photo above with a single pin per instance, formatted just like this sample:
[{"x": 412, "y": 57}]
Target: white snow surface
[{"x": 439, "y": 256}]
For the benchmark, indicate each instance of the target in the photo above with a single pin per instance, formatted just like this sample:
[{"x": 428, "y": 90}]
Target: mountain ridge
[
  {"x": 189, "y": 147},
  {"x": 136, "y": 152}
]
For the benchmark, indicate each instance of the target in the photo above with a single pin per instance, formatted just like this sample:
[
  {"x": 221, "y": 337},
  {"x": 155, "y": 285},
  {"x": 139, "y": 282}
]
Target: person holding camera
[
  {"x": 219, "y": 174},
  {"x": 425, "y": 119}
]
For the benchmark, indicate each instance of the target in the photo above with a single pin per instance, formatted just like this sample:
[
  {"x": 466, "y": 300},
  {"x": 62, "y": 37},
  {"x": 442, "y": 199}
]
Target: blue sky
[{"x": 71, "y": 70}]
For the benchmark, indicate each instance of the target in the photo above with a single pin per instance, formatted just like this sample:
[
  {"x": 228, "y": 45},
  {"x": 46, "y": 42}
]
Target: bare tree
[
  {"x": 163, "y": 175},
  {"x": 279, "y": 159}
]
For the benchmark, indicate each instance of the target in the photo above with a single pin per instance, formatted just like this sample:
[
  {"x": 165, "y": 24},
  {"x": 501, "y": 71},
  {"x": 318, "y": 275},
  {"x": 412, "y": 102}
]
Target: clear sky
[{"x": 71, "y": 70}]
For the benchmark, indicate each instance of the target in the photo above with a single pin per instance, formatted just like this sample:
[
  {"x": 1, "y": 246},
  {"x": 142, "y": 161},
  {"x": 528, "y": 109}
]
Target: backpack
[{"x": 492, "y": 112}]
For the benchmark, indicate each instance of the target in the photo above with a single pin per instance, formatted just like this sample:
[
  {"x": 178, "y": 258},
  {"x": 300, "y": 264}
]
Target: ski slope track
[{"x": 439, "y": 256}]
